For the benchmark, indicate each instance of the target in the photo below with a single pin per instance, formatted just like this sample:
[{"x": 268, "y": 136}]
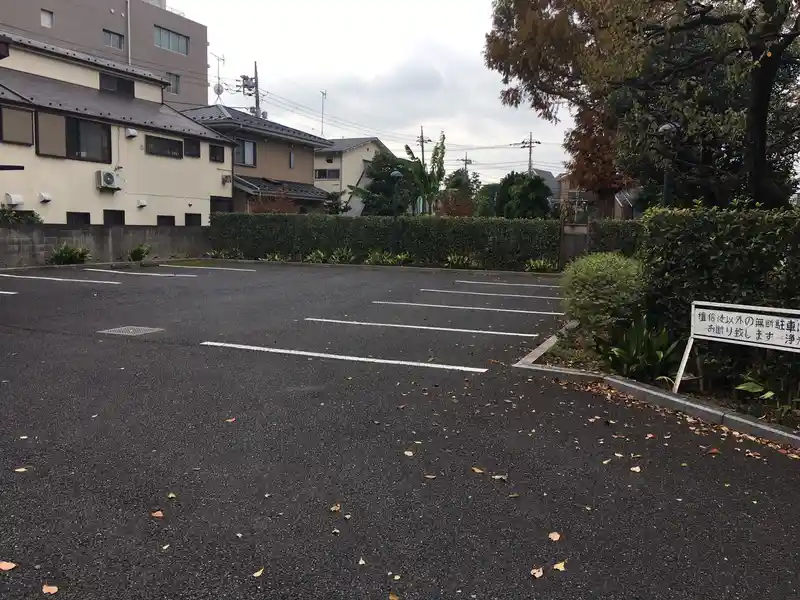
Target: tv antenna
[{"x": 218, "y": 87}]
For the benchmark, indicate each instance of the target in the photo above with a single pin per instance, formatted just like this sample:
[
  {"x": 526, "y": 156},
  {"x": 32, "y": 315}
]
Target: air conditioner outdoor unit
[
  {"x": 13, "y": 200},
  {"x": 108, "y": 180}
]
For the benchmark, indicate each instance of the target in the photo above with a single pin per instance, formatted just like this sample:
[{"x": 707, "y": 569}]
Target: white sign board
[{"x": 759, "y": 326}]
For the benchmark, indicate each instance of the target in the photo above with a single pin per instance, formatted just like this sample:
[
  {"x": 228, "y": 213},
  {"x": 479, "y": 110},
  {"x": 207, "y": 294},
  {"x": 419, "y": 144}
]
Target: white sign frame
[{"x": 756, "y": 312}]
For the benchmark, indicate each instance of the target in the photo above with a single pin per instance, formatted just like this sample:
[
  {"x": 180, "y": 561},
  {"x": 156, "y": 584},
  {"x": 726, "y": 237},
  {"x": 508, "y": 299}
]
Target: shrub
[
  {"x": 404, "y": 258},
  {"x": 610, "y": 235},
  {"x": 276, "y": 257},
  {"x": 316, "y": 256},
  {"x": 602, "y": 290},
  {"x": 139, "y": 253},
  {"x": 638, "y": 351},
  {"x": 541, "y": 265},
  {"x": 496, "y": 243},
  {"x": 378, "y": 257},
  {"x": 9, "y": 216},
  {"x": 68, "y": 255},
  {"x": 227, "y": 254},
  {"x": 459, "y": 261},
  {"x": 342, "y": 256}
]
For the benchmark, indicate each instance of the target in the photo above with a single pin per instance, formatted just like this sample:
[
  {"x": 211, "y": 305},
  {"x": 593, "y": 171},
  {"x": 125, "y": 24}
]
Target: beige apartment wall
[
  {"x": 272, "y": 162},
  {"x": 170, "y": 186}
]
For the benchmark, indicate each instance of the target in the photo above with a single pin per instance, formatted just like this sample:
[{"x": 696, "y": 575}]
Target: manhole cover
[{"x": 131, "y": 330}]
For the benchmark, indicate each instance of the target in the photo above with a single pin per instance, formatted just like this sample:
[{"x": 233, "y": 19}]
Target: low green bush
[
  {"x": 638, "y": 351},
  {"x": 227, "y": 254},
  {"x": 613, "y": 235},
  {"x": 541, "y": 265},
  {"x": 460, "y": 261},
  {"x": 68, "y": 255},
  {"x": 139, "y": 253},
  {"x": 602, "y": 291},
  {"x": 9, "y": 216},
  {"x": 276, "y": 257},
  {"x": 316, "y": 257},
  {"x": 342, "y": 256}
]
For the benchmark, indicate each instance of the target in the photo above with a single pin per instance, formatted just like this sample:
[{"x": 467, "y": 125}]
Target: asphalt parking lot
[{"x": 203, "y": 457}]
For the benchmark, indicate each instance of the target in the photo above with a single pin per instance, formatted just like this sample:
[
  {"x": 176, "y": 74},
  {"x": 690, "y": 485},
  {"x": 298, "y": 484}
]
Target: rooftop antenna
[{"x": 218, "y": 88}]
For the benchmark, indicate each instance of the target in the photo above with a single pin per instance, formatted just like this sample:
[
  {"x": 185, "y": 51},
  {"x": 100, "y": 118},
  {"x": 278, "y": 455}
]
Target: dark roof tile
[{"x": 273, "y": 187}]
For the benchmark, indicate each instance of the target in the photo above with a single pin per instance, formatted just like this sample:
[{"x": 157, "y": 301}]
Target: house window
[
  {"x": 193, "y": 220},
  {"x": 216, "y": 153},
  {"x": 165, "y": 220},
  {"x": 327, "y": 174},
  {"x": 174, "y": 84},
  {"x": 169, "y": 40},
  {"x": 16, "y": 126},
  {"x": 116, "y": 85},
  {"x": 114, "y": 40},
  {"x": 87, "y": 140},
  {"x": 191, "y": 148},
  {"x": 159, "y": 146},
  {"x": 79, "y": 219},
  {"x": 48, "y": 18},
  {"x": 245, "y": 153},
  {"x": 113, "y": 217}
]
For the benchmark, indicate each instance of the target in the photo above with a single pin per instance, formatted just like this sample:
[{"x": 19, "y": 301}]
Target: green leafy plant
[
  {"x": 404, "y": 258},
  {"x": 378, "y": 257},
  {"x": 276, "y": 257},
  {"x": 68, "y": 255},
  {"x": 9, "y": 216},
  {"x": 540, "y": 265},
  {"x": 783, "y": 406},
  {"x": 316, "y": 256},
  {"x": 342, "y": 256},
  {"x": 227, "y": 254},
  {"x": 639, "y": 352},
  {"x": 460, "y": 261},
  {"x": 139, "y": 253}
]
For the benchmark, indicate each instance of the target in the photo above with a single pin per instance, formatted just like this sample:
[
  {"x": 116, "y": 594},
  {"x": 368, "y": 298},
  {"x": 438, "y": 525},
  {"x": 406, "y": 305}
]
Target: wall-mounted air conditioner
[{"x": 108, "y": 180}]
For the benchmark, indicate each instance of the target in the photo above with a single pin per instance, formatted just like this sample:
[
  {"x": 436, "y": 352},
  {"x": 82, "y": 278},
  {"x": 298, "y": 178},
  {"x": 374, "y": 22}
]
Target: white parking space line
[
  {"x": 345, "y": 357},
  {"x": 210, "y": 268},
  {"x": 8, "y": 293},
  {"x": 118, "y": 272},
  {"x": 463, "y": 292},
  {"x": 59, "y": 279},
  {"x": 424, "y": 328},
  {"x": 505, "y": 310},
  {"x": 535, "y": 285}
]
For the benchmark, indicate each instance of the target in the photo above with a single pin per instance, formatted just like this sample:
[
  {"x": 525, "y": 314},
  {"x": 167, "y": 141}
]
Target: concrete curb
[
  {"x": 122, "y": 265},
  {"x": 658, "y": 397},
  {"x": 542, "y": 348}
]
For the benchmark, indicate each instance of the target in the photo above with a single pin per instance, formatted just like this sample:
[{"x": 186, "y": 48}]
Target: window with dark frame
[
  {"x": 216, "y": 154},
  {"x": 88, "y": 140},
  {"x": 193, "y": 220},
  {"x": 113, "y": 217},
  {"x": 174, "y": 84},
  {"x": 159, "y": 146},
  {"x": 191, "y": 148},
  {"x": 79, "y": 219},
  {"x": 245, "y": 153},
  {"x": 171, "y": 40},
  {"x": 117, "y": 85},
  {"x": 165, "y": 220},
  {"x": 113, "y": 40},
  {"x": 327, "y": 173}
]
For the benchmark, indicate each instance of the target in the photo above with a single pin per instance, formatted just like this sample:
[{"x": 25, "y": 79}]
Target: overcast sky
[{"x": 388, "y": 67}]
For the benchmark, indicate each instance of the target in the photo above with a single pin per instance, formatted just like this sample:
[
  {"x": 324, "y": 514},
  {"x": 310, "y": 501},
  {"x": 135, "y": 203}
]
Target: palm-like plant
[{"x": 428, "y": 178}]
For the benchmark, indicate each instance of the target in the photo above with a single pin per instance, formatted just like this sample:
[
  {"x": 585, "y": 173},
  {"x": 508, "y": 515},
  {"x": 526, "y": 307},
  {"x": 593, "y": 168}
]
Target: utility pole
[
  {"x": 322, "y": 119},
  {"x": 467, "y": 162},
  {"x": 249, "y": 87},
  {"x": 257, "y": 91},
  {"x": 422, "y": 140},
  {"x": 529, "y": 144}
]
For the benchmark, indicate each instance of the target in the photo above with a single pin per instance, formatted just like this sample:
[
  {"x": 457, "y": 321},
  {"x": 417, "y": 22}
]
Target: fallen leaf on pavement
[
  {"x": 649, "y": 436},
  {"x": 259, "y": 573},
  {"x": 430, "y": 476},
  {"x": 562, "y": 566},
  {"x": 172, "y": 495},
  {"x": 408, "y": 453},
  {"x": 515, "y": 495},
  {"x": 157, "y": 514},
  {"x": 684, "y": 465},
  {"x": 336, "y": 532},
  {"x": 555, "y": 536},
  {"x": 361, "y": 561},
  {"x": 608, "y": 460},
  {"x": 618, "y": 455},
  {"x": 393, "y": 596},
  {"x": 713, "y": 451},
  {"x": 232, "y": 420},
  {"x": 537, "y": 573},
  {"x": 23, "y": 437},
  {"x": 397, "y": 577},
  {"x": 336, "y": 508},
  {"x": 21, "y": 470},
  {"x": 49, "y": 589},
  {"x": 165, "y": 546},
  {"x": 500, "y": 477},
  {"x": 636, "y": 469},
  {"x": 7, "y": 566},
  {"x": 477, "y": 470}
]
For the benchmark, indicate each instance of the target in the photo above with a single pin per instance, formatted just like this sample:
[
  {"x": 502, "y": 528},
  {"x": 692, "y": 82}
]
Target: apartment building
[
  {"x": 140, "y": 33},
  {"x": 91, "y": 142}
]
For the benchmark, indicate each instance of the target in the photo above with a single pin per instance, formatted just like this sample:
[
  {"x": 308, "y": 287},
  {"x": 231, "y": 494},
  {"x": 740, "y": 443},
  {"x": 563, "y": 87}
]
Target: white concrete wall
[
  {"x": 20, "y": 59},
  {"x": 170, "y": 186},
  {"x": 352, "y": 171}
]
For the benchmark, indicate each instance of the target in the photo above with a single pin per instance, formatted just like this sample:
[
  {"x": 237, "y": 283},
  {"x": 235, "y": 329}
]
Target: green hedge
[
  {"x": 495, "y": 243},
  {"x": 609, "y": 235}
]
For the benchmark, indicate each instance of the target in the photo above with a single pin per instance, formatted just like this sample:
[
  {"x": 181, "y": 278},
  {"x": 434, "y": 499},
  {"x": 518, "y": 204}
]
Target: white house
[
  {"x": 343, "y": 165},
  {"x": 98, "y": 145}
]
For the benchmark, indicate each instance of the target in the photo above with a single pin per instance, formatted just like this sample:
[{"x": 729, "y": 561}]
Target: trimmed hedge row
[
  {"x": 494, "y": 243},
  {"x": 610, "y": 235}
]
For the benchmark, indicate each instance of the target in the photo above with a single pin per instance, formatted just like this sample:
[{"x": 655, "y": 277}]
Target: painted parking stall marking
[
  {"x": 343, "y": 357},
  {"x": 59, "y": 279},
  {"x": 447, "y": 306},
  {"x": 533, "y": 285},
  {"x": 425, "y": 328},
  {"x": 210, "y": 268},
  {"x": 467, "y": 293},
  {"x": 117, "y": 272},
  {"x": 2, "y": 293}
]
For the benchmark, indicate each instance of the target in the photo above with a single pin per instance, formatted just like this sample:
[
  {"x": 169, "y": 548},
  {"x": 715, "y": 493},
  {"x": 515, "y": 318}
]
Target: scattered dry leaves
[
  {"x": 336, "y": 508},
  {"x": 430, "y": 476},
  {"x": 172, "y": 495},
  {"x": 537, "y": 573},
  {"x": 21, "y": 470},
  {"x": 231, "y": 420},
  {"x": 361, "y": 561},
  {"x": 555, "y": 536},
  {"x": 408, "y": 453},
  {"x": 478, "y": 470},
  {"x": 393, "y": 596},
  {"x": 608, "y": 460},
  {"x": 562, "y": 566},
  {"x": 636, "y": 469},
  {"x": 259, "y": 573},
  {"x": 500, "y": 477},
  {"x": 7, "y": 566},
  {"x": 514, "y": 495},
  {"x": 49, "y": 589},
  {"x": 157, "y": 514}
]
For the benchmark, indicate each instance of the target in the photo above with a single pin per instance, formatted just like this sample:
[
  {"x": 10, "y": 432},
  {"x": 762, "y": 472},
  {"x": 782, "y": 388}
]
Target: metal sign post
[{"x": 757, "y": 326}]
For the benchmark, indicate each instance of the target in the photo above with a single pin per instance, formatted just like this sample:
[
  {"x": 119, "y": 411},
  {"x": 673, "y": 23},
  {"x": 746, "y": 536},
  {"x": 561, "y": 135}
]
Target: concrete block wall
[{"x": 29, "y": 245}]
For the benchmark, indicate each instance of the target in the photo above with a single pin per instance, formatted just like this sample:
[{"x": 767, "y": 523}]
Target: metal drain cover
[{"x": 131, "y": 330}]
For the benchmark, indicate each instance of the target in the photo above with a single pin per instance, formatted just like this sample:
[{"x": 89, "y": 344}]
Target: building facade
[
  {"x": 344, "y": 164},
  {"x": 98, "y": 146},
  {"x": 139, "y": 33}
]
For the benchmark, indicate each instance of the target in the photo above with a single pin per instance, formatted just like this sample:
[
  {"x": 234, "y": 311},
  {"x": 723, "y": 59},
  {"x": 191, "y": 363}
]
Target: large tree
[{"x": 385, "y": 194}]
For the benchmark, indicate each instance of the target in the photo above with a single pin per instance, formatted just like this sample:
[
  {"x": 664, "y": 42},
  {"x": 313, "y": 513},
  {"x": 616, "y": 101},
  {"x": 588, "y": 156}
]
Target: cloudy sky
[{"x": 387, "y": 67}]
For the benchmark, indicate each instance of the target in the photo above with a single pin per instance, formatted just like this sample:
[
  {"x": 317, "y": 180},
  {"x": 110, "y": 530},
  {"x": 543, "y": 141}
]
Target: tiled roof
[
  {"x": 345, "y": 144},
  {"x": 274, "y": 187},
  {"x": 549, "y": 180},
  {"x": 46, "y": 93},
  {"x": 217, "y": 115},
  {"x": 74, "y": 55}
]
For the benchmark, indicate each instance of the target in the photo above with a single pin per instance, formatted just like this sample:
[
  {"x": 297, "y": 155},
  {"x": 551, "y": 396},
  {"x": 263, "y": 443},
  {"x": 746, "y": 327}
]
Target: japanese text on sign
[{"x": 779, "y": 330}]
